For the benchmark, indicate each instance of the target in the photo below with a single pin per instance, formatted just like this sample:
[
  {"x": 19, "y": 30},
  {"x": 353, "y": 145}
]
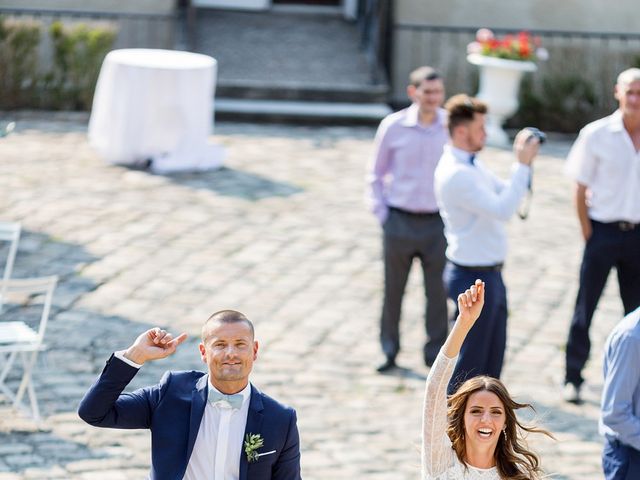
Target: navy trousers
[
  {"x": 608, "y": 247},
  {"x": 482, "y": 352},
  {"x": 619, "y": 461}
]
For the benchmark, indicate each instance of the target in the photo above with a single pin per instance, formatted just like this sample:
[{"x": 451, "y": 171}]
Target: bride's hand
[{"x": 470, "y": 304}]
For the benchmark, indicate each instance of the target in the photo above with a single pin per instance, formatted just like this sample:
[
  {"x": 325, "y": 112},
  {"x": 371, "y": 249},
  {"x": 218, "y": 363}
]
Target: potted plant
[{"x": 502, "y": 62}]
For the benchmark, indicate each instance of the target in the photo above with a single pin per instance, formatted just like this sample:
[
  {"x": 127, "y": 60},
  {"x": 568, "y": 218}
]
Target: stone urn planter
[{"x": 499, "y": 87}]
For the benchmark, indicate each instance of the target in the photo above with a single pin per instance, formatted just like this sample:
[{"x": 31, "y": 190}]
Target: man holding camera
[
  {"x": 475, "y": 204},
  {"x": 605, "y": 163}
]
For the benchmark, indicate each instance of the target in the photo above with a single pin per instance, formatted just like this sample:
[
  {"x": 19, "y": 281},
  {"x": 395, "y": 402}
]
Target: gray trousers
[{"x": 408, "y": 236}]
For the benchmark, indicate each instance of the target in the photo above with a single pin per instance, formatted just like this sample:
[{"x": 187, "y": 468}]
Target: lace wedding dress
[{"x": 439, "y": 460}]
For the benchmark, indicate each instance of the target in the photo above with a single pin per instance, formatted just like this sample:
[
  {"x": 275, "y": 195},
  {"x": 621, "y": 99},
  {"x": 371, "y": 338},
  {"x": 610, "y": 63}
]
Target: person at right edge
[
  {"x": 620, "y": 407},
  {"x": 475, "y": 205},
  {"x": 605, "y": 163}
]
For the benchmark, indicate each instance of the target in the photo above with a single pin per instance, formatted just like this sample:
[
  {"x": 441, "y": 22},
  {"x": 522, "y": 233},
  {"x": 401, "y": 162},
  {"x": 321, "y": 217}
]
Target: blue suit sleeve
[
  {"x": 104, "y": 405},
  {"x": 288, "y": 465}
]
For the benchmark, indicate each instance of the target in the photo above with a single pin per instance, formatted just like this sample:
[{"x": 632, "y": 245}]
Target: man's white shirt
[
  {"x": 218, "y": 447},
  {"x": 474, "y": 205},
  {"x": 604, "y": 159},
  {"x": 221, "y": 431}
]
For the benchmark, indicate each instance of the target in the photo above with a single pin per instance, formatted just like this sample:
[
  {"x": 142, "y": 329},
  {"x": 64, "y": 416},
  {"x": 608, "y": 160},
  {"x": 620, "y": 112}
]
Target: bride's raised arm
[{"x": 436, "y": 446}]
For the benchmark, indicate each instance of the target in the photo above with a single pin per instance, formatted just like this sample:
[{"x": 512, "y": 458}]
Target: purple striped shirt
[{"x": 405, "y": 158}]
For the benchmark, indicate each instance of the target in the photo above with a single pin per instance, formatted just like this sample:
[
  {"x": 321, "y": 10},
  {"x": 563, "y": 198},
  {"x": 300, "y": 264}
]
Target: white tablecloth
[{"x": 158, "y": 105}]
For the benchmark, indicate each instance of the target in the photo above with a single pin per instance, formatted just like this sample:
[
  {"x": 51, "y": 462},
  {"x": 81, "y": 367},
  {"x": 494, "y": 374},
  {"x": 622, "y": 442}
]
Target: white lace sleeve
[{"x": 436, "y": 446}]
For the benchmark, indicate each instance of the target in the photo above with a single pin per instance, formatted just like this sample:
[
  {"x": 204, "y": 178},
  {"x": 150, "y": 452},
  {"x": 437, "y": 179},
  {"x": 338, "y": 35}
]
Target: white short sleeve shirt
[{"x": 604, "y": 159}]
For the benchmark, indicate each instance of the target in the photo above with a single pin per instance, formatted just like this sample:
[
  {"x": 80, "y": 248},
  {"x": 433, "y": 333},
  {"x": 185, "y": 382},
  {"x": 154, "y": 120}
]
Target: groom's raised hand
[{"x": 153, "y": 344}]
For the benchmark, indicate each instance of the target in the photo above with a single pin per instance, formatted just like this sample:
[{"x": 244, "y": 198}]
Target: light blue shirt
[
  {"x": 475, "y": 204},
  {"x": 620, "y": 415}
]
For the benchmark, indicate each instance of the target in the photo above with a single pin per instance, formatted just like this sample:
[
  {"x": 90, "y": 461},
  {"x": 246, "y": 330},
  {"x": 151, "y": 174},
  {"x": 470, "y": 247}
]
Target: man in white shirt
[
  {"x": 605, "y": 164},
  {"x": 475, "y": 204},
  {"x": 214, "y": 426}
]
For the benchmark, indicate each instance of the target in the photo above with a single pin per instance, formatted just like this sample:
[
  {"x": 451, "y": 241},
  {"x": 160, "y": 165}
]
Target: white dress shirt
[
  {"x": 475, "y": 204},
  {"x": 604, "y": 159},
  {"x": 216, "y": 452},
  {"x": 221, "y": 431}
]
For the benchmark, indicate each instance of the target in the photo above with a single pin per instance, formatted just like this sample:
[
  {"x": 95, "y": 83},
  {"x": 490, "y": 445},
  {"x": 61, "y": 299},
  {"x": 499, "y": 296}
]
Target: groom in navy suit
[{"x": 213, "y": 425}]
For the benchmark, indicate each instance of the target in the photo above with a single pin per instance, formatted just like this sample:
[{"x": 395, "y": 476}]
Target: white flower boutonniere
[{"x": 252, "y": 442}]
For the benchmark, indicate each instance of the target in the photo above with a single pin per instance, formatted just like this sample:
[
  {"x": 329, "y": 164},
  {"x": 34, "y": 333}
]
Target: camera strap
[{"x": 525, "y": 206}]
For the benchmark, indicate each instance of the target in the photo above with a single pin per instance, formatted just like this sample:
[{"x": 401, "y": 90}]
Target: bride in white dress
[{"x": 475, "y": 433}]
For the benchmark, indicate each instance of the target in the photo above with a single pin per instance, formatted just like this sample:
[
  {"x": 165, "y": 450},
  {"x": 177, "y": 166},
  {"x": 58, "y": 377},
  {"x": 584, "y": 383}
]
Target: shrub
[
  {"x": 565, "y": 103},
  {"x": 78, "y": 53},
  {"x": 19, "y": 40}
]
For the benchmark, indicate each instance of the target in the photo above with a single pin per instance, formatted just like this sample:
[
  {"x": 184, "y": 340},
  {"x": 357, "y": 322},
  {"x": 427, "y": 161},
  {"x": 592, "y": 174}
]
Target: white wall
[
  {"x": 576, "y": 15},
  {"x": 590, "y": 57},
  {"x": 128, "y": 6}
]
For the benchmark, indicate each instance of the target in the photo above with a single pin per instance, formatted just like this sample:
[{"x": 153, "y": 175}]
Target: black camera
[{"x": 539, "y": 134}]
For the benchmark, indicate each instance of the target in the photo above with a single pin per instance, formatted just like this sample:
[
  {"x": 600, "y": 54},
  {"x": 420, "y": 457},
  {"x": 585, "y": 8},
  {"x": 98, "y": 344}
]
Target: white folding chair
[
  {"x": 18, "y": 340},
  {"x": 9, "y": 232}
]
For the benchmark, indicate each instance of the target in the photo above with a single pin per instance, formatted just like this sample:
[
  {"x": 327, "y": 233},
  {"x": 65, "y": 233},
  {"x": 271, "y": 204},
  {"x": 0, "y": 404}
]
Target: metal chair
[
  {"x": 9, "y": 127},
  {"x": 19, "y": 340},
  {"x": 9, "y": 232}
]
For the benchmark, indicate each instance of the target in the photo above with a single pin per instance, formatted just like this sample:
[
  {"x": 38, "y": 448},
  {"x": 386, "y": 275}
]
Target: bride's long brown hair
[{"x": 514, "y": 460}]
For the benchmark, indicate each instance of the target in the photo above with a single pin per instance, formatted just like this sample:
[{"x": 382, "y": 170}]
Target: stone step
[
  {"x": 302, "y": 91},
  {"x": 299, "y": 111}
]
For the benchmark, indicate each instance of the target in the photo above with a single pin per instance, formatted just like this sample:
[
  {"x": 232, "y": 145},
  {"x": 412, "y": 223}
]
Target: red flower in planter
[{"x": 521, "y": 46}]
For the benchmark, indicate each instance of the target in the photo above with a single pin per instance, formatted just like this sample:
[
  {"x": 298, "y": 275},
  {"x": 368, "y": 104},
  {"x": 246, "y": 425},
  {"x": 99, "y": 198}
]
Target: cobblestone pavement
[{"x": 281, "y": 233}]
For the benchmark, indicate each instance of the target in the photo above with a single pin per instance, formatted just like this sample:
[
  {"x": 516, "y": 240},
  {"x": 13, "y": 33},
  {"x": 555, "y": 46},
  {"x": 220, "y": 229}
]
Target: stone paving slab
[{"x": 282, "y": 234}]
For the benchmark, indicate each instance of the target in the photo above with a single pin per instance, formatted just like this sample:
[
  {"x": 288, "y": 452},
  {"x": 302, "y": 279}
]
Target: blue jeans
[
  {"x": 620, "y": 461},
  {"x": 482, "y": 352}
]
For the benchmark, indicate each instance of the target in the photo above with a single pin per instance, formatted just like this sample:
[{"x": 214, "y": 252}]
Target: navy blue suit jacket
[{"x": 173, "y": 410}]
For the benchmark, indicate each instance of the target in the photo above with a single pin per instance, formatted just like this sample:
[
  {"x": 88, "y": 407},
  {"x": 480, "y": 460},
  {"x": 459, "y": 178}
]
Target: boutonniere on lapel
[{"x": 252, "y": 442}]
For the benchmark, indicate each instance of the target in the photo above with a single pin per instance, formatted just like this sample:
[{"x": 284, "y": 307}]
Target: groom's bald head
[{"x": 225, "y": 317}]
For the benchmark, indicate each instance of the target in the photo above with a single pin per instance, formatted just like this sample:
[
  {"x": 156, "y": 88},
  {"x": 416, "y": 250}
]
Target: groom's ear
[
  {"x": 203, "y": 352},
  {"x": 255, "y": 349}
]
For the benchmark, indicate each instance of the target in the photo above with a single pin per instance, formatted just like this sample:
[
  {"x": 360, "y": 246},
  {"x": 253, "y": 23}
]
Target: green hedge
[
  {"x": 19, "y": 42},
  {"x": 563, "y": 103},
  {"x": 78, "y": 52}
]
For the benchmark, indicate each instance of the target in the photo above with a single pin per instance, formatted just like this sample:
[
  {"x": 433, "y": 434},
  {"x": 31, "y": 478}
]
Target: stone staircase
[{"x": 289, "y": 64}]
